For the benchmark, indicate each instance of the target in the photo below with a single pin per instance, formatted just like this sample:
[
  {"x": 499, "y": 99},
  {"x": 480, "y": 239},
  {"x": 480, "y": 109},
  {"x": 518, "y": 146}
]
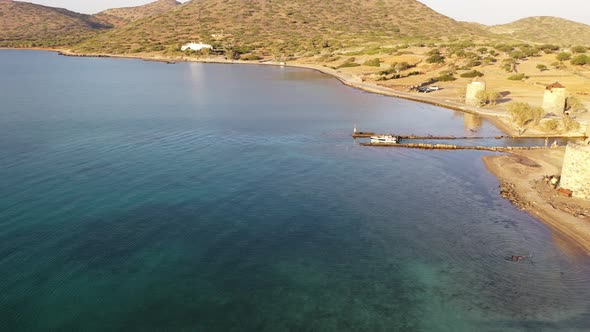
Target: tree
[
  {"x": 563, "y": 56},
  {"x": 524, "y": 114},
  {"x": 487, "y": 97},
  {"x": 541, "y": 67},
  {"x": 517, "y": 55},
  {"x": 574, "y": 105},
  {"x": 509, "y": 65},
  {"x": 401, "y": 66},
  {"x": 548, "y": 48},
  {"x": 570, "y": 124},
  {"x": 530, "y": 51}
]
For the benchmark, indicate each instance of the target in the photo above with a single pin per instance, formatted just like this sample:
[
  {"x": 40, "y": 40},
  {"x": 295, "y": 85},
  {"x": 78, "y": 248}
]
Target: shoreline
[
  {"x": 348, "y": 80},
  {"x": 520, "y": 174}
]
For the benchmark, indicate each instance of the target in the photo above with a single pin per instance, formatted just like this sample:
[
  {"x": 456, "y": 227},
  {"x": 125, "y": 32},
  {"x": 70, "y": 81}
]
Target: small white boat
[{"x": 390, "y": 139}]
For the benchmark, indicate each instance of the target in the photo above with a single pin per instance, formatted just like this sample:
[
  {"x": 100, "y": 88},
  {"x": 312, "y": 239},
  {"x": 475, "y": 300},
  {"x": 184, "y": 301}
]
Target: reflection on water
[
  {"x": 472, "y": 122},
  {"x": 229, "y": 198}
]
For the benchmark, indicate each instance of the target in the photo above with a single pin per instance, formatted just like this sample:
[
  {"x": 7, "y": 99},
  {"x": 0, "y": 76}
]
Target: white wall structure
[{"x": 195, "y": 46}]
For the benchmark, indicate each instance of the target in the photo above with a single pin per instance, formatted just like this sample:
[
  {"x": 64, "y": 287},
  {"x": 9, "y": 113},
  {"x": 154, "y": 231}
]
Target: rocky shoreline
[{"x": 521, "y": 175}]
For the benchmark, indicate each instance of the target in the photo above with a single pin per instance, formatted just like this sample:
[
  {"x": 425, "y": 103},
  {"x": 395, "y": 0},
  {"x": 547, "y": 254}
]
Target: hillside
[
  {"x": 25, "y": 24},
  {"x": 122, "y": 16},
  {"x": 546, "y": 29},
  {"x": 285, "y": 27}
]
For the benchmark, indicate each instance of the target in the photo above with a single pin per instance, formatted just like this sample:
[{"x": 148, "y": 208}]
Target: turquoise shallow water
[{"x": 191, "y": 197}]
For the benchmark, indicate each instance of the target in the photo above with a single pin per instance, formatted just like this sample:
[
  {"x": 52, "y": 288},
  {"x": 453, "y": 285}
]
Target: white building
[{"x": 195, "y": 46}]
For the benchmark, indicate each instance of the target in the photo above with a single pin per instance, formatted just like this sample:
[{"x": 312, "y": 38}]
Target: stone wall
[
  {"x": 575, "y": 174},
  {"x": 554, "y": 101},
  {"x": 472, "y": 90}
]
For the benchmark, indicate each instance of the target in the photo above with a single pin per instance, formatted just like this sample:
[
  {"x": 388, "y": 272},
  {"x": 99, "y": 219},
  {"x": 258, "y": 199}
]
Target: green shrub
[
  {"x": 402, "y": 66},
  {"x": 482, "y": 50},
  {"x": 488, "y": 97},
  {"x": 243, "y": 49},
  {"x": 574, "y": 104},
  {"x": 472, "y": 74},
  {"x": 517, "y": 77},
  {"x": 250, "y": 57},
  {"x": 563, "y": 56},
  {"x": 349, "y": 65},
  {"x": 445, "y": 78},
  {"x": 579, "y": 49},
  {"x": 523, "y": 114},
  {"x": 548, "y": 48},
  {"x": 581, "y": 60},
  {"x": 551, "y": 125},
  {"x": 541, "y": 67},
  {"x": 517, "y": 55},
  {"x": 504, "y": 47},
  {"x": 570, "y": 124},
  {"x": 373, "y": 63},
  {"x": 437, "y": 58},
  {"x": 388, "y": 71}
]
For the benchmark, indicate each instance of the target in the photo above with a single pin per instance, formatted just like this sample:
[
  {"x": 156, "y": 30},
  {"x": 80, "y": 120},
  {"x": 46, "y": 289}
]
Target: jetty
[
  {"x": 365, "y": 134},
  {"x": 424, "y": 146}
]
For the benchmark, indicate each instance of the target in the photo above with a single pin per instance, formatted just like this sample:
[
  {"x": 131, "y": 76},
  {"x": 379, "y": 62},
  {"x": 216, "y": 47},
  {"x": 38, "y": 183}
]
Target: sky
[{"x": 480, "y": 11}]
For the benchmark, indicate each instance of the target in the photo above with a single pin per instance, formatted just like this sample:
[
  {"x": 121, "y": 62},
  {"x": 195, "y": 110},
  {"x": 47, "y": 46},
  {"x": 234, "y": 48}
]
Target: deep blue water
[{"x": 140, "y": 196}]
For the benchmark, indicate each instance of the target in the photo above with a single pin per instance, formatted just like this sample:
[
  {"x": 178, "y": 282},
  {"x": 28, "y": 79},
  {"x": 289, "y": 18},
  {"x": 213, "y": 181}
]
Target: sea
[{"x": 144, "y": 196}]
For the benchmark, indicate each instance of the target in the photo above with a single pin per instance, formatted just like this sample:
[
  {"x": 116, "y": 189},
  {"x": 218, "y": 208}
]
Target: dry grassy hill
[
  {"x": 122, "y": 16},
  {"x": 25, "y": 24},
  {"x": 284, "y": 26},
  {"x": 545, "y": 29}
]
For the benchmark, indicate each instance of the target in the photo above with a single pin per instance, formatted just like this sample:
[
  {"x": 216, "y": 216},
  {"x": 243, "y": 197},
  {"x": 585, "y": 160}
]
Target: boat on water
[{"x": 390, "y": 139}]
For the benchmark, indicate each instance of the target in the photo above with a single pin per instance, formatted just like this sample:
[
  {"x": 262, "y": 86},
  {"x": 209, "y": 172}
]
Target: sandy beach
[{"x": 521, "y": 176}]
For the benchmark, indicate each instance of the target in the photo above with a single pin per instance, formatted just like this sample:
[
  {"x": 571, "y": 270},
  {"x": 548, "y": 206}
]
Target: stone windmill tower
[
  {"x": 575, "y": 174},
  {"x": 554, "y": 99},
  {"x": 473, "y": 89}
]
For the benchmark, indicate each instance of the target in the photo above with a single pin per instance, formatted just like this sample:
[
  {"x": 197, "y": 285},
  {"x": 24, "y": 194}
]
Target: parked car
[{"x": 428, "y": 89}]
